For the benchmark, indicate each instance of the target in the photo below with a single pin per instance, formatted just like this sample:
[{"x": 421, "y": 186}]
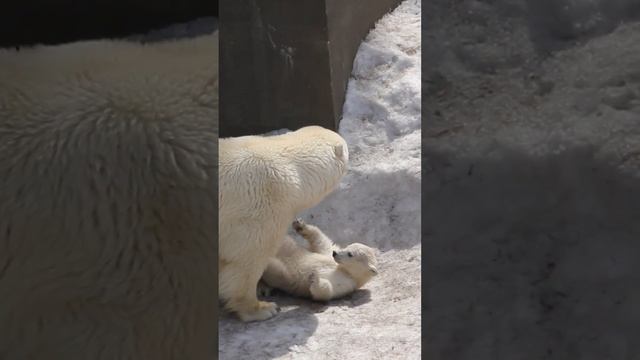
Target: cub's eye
[{"x": 350, "y": 254}]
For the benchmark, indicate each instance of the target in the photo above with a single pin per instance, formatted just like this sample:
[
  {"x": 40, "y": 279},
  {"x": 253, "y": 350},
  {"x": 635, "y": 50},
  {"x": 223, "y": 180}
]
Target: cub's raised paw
[{"x": 298, "y": 225}]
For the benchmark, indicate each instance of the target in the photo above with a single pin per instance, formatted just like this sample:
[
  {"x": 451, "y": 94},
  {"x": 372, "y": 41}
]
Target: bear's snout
[{"x": 335, "y": 254}]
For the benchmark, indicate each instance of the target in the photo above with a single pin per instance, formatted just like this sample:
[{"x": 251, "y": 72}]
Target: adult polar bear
[
  {"x": 263, "y": 183},
  {"x": 107, "y": 177}
]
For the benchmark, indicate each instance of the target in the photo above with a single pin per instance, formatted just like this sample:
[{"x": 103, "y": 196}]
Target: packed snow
[{"x": 377, "y": 203}]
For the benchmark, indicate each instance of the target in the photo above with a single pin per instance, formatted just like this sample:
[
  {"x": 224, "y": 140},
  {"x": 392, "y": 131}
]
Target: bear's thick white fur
[
  {"x": 323, "y": 271},
  {"x": 107, "y": 201},
  {"x": 263, "y": 183}
]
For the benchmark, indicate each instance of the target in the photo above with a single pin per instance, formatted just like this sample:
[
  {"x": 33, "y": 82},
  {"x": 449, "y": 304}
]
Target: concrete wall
[{"x": 286, "y": 63}]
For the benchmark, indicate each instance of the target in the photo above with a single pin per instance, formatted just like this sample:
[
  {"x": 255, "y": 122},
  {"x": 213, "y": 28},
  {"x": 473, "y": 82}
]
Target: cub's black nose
[{"x": 334, "y": 254}]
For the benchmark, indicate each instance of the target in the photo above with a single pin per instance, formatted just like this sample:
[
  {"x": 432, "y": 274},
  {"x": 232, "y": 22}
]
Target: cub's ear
[{"x": 373, "y": 270}]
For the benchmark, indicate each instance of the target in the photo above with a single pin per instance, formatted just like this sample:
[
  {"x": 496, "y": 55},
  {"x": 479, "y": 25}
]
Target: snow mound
[{"x": 378, "y": 202}]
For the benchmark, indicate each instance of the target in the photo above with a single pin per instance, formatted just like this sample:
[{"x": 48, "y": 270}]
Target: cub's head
[{"x": 359, "y": 260}]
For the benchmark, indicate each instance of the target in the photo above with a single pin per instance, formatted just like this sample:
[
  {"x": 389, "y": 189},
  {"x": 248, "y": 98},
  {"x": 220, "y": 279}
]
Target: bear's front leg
[{"x": 243, "y": 298}]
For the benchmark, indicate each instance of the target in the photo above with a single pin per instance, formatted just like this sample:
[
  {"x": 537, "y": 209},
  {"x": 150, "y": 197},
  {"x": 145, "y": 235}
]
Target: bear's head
[
  {"x": 320, "y": 158},
  {"x": 358, "y": 260}
]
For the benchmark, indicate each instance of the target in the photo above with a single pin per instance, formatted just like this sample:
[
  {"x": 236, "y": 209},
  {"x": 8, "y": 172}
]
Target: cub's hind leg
[
  {"x": 276, "y": 275},
  {"x": 321, "y": 289}
]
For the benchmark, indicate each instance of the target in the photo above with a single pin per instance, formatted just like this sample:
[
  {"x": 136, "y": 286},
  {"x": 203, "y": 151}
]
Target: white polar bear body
[
  {"x": 263, "y": 183},
  {"x": 323, "y": 271},
  {"x": 107, "y": 171}
]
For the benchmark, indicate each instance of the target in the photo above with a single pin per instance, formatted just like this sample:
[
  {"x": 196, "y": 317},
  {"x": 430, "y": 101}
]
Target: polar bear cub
[{"x": 321, "y": 272}]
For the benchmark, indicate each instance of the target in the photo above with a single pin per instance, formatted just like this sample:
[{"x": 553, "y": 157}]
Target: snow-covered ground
[
  {"x": 532, "y": 180},
  {"x": 377, "y": 203}
]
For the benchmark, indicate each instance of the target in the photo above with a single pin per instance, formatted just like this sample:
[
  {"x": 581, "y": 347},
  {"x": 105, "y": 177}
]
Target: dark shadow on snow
[
  {"x": 270, "y": 338},
  {"x": 530, "y": 257},
  {"x": 294, "y": 325}
]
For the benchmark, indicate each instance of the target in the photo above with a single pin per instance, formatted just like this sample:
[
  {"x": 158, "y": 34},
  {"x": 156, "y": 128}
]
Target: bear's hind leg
[{"x": 318, "y": 241}]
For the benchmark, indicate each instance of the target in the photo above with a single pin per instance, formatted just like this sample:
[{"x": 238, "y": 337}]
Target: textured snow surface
[{"x": 532, "y": 181}]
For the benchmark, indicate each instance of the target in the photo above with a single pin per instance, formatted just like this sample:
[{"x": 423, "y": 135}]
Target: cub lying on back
[{"x": 321, "y": 272}]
